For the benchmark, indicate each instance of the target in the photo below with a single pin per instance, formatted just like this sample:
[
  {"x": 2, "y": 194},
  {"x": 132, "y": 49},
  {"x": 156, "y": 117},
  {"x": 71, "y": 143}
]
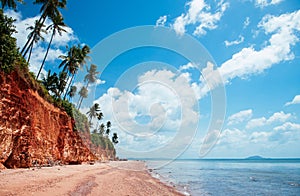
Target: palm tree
[
  {"x": 108, "y": 125},
  {"x": 10, "y": 3},
  {"x": 49, "y": 9},
  {"x": 36, "y": 33},
  {"x": 90, "y": 78},
  {"x": 115, "y": 138},
  {"x": 100, "y": 116},
  {"x": 61, "y": 82},
  {"x": 57, "y": 27},
  {"x": 93, "y": 111},
  {"x": 72, "y": 91},
  {"x": 50, "y": 82},
  {"x": 83, "y": 92},
  {"x": 102, "y": 129},
  {"x": 73, "y": 61}
]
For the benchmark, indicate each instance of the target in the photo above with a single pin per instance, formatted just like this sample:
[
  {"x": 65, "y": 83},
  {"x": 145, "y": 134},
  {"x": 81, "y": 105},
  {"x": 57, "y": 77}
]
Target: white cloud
[
  {"x": 40, "y": 49},
  {"x": 288, "y": 126},
  {"x": 239, "y": 117},
  {"x": 249, "y": 61},
  {"x": 164, "y": 97},
  {"x": 232, "y": 136},
  {"x": 246, "y": 22},
  {"x": 161, "y": 21},
  {"x": 265, "y": 3},
  {"x": 235, "y": 42},
  {"x": 187, "y": 66},
  {"x": 260, "y": 137},
  {"x": 199, "y": 14},
  {"x": 296, "y": 100},
  {"x": 276, "y": 117}
]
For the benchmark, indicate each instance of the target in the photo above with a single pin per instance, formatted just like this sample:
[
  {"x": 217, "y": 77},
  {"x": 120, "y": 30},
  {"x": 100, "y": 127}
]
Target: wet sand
[{"x": 114, "y": 178}]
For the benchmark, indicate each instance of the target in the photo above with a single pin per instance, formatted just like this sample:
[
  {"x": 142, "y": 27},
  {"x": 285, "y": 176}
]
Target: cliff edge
[{"x": 33, "y": 131}]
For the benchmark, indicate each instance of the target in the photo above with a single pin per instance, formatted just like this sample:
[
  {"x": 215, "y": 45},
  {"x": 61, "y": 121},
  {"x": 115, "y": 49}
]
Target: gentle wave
[{"x": 232, "y": 177}]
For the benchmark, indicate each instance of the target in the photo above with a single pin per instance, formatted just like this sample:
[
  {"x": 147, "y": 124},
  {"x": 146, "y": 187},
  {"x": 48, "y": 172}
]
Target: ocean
[{"x": 231, "y": 177}]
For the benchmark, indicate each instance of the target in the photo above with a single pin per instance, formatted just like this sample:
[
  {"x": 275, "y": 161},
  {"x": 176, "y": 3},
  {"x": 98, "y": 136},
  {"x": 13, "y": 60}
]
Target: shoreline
[{"x": 113, "y": 178}]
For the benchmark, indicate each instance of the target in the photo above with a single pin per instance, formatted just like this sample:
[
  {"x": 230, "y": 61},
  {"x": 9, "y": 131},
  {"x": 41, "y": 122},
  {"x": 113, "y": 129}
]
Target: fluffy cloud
[
  {"x": 239, "y": 117},
  {"x": 232, "y": 136},
  {"x": 296, "y": 100},
  {"x": 235, "y": 42},
  {"x": 264, "y": 3},
  {"x": 39, "y": 50},
  {"x": 187, "y": 67},
  {"x": 199, "y": 14},
  {"x": 249, "y": 61},
  {"x": 276, "y": 117},
  {"x": 259, "y": 137},
  {"x": 161, "y": 21},
  {"x": 288, "y": 126},
  {"x": 161, "y": 107}
]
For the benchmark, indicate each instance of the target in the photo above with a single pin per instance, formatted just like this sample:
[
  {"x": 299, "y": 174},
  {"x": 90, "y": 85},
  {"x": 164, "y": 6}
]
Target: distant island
[{"x": 255, "y": 158}]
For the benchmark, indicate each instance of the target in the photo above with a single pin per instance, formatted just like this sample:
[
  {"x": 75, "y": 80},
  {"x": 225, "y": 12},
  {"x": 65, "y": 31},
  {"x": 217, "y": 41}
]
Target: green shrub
[
  {"x": 68, "y": 107},
  {"x": 8, "y": 47}
]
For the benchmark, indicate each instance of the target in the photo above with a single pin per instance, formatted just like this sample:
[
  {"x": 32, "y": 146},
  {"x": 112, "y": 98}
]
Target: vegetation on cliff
[{"x": 56, "y": 88}]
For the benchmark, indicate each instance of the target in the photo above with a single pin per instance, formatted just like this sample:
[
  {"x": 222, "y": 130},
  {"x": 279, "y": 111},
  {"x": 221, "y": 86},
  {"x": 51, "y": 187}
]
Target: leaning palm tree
[
  {"x": 50, "y": 8},
  {"x": 36, "y": 33},
  {"x": 73, "y": 61},
  {"x": 72, "y": 91},
  {"x": 90, "y": 78},
  {"x": 83, "y": 92},
  {"x": 10, "y": 3},
  {"x": 56, "y": 27},
  {"x": 93, "y": 111}
]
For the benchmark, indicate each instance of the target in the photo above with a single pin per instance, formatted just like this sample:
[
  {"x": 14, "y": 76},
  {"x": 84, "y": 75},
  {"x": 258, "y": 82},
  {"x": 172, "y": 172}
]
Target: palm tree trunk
[
  {"x": 30, "y": 53},
  {"x": 66, "y": 84},
  {"x": 28, "y": 48},
  {"x": 69, "y": 86},
  {"x": 30, "y": 40},
  {"x": 25, "y": 46},
  {"x": 45, "y": 55},
  {"x": 80, "y": 100}
]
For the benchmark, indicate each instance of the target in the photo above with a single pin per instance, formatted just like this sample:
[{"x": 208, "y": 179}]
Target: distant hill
[{"x": 255, "y": 158}]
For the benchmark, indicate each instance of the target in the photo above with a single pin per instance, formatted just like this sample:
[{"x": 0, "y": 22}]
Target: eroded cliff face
[{"x": 33, "y": 130}]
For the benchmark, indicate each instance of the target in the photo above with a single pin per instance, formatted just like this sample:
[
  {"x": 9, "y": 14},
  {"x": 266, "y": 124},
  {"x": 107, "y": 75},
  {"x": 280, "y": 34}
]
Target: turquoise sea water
[{"x": 232, "y": 177}]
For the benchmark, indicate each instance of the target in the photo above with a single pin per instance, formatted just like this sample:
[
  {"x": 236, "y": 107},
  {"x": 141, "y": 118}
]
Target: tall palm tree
[
  {"x": 36, "y": 33},
  {"x": 83, "y": 92},
  {"x": 72, "y": 91},
  {"x": 90, "y": 78},
  {"x": 56, "y": 27},
  {"x": 75, "y": 58},
  {"x": 50, "y": 8},
  {"x": 10, "y": 3},
  {"x": 93, "y": 111}
]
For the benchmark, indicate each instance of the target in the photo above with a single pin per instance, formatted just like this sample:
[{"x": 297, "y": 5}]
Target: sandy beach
[{"x": 114, "y": 178}]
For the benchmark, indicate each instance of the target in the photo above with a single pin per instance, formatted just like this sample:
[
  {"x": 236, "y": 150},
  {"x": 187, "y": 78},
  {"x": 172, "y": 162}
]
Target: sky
[{"x": 187, "y": 79}]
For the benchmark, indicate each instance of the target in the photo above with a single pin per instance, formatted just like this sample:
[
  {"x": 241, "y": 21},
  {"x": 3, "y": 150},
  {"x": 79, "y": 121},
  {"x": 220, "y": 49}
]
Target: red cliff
[{"x": 34, "y": 131}]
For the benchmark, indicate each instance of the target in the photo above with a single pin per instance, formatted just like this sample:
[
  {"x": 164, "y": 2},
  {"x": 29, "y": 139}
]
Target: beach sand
[{"x": 114, "y": 178}]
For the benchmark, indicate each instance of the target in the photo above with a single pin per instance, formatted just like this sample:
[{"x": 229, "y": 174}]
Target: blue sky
[{"x": 161, "y": 103}]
